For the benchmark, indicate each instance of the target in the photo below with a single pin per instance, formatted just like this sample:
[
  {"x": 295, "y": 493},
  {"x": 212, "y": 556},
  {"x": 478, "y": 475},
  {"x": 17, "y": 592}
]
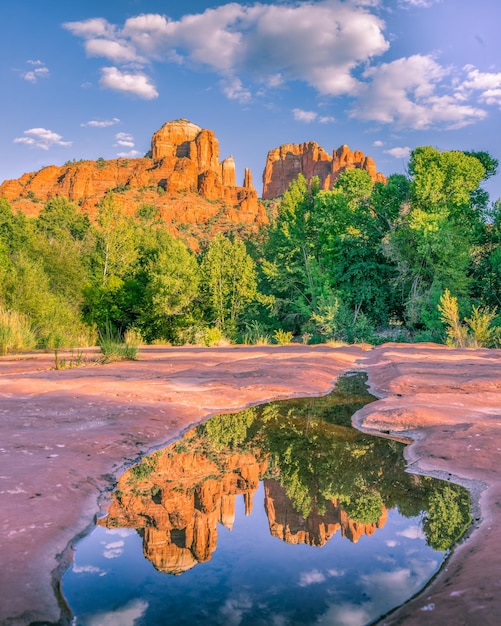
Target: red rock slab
[
  {"x": 65, "y": 435},
  {"x": 448, "y": 402}
]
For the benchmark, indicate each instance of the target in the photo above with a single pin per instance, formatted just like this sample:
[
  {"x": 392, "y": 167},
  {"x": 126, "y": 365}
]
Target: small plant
[
  {"x": 133, "y": 337},
  {"x": 282, "y": 337},
  {"x": 100, "y": 163},
  {"x": 15, "y": 331},
  {"x": 305, "y": 338},
  {"x": 478, "y": 331},
  {"x": 113, "y": 346},
  {"x": 211, "y": 336},
  {"x": 255, "y": 334}
]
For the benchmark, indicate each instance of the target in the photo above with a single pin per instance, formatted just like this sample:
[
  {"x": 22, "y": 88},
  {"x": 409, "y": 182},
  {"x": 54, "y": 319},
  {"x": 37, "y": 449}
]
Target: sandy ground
[{"x": 65, "y": 435}]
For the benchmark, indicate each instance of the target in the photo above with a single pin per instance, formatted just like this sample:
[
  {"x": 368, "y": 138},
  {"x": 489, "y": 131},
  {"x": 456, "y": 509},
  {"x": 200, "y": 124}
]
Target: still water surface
[{"x": 279, "y": 515}]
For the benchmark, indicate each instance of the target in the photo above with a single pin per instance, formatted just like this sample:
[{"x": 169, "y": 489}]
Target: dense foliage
[{"x": 361, "y": 262}]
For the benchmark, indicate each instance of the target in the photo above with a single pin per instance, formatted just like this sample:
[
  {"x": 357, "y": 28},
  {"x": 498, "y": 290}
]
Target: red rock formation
[
  {"x": 283, "y": 165},
  {"x": 184, "y": 163},
  {"x": 315, "y": 530}
]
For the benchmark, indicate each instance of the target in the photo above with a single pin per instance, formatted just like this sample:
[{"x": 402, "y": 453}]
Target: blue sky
[{"x": 88, "y": 79}]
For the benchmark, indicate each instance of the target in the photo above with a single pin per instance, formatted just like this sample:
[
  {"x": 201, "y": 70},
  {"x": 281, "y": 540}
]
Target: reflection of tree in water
[{"x": 309, "y": 448}]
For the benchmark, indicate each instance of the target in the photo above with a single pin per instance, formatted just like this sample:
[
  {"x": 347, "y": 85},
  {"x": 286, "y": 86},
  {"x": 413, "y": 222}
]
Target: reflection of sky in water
[{"x": 252, "y": 578}]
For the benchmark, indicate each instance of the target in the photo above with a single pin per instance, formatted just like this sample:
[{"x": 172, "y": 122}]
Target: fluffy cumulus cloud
[
  {"x": 399, "y": 152},
  {"x": 320, "y": 44},
  {"x": 333, "y": 46},
  {"x": 134, "y": 83},
  {"x": 486, "y": 85},
  {"x": 37, "y": 69},
  {"x": 42, "y": 138},
  {"x": 409, "y": 92}
]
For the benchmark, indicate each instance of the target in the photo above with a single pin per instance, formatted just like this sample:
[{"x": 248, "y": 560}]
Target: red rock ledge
[{"x": 66, "y": 434}]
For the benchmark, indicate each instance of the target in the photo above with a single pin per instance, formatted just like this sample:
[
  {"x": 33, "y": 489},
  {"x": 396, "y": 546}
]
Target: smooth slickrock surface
[
  {"x": 66, "y": 435},
  {"x": 449, "y": 402}
]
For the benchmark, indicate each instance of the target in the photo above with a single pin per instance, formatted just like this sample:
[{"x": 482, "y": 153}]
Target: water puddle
[{"x": 282, "y": 514}]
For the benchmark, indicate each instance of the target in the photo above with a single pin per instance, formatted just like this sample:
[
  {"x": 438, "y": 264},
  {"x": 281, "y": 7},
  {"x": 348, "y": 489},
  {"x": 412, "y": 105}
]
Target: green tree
[{"x": 229, "y": 282}]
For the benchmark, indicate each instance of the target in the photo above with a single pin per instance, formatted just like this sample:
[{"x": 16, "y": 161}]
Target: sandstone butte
[
  {"x": 67, "y": 435},
  {"x": 183, "y": 178},
  {"x": 284, "y": 164}
]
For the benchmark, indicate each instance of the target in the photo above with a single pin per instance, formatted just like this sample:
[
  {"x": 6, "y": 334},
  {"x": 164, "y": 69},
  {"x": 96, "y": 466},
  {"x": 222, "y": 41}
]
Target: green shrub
[
  {"x": 282, "y": 337},
  {"x": 113, "y": 346},
  {"x": 15, "y": 331}
]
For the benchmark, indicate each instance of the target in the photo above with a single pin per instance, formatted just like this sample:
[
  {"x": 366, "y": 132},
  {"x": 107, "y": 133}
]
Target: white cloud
[
  {"x": 311, "y": 116},
  {"x": 39, "y": 71},
  {"x": 399, "y": 152},
  {"x": 405, "y": 93},
  {"x": 124, "y": 139},
  {"x": 116, "y": 51},
  {"x": 417, "y": 3},
  {"x": 311, "y": 578},
  {"x": 88, "y": 29},
  {"x": 378, "y": 143},
  {"x": 101, "y": 123},
  {"x": 487, "y": 83},
  {"x": 132, "y": 154},
  {"x": 137, "y": 84},
  {"x": 304, "y": 116},
  {"x": 318, "y": 43},
  {"x": 42, "y": 138},
  {"x": 233, "y": 89},
  {"x": 125, "y": 616}
]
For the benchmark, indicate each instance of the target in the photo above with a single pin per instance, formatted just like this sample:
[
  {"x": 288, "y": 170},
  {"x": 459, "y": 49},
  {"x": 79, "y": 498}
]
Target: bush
[
  {"x": 282, "y": 337},
  {"x": 113, "y": 346},
  {"x": 15, "y": 331}
]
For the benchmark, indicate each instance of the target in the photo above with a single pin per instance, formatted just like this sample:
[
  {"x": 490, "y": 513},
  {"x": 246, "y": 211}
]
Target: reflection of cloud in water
[
  {"x": 391, "y": 543},
  {"x": 121, "y": 532},
  {"x": 113, "y": 550},
  {"x": 126, "y": 616},
  {"x": 234, "y": 608},
  {"x": 412, "y": 532},
  {"x": 345, "y": 615},
  {"x": 88, "y": 569},
  {"x": 311, "y": 578},
  {"x": 335, "y": 573},
  {"x": 385, "y": 590}
]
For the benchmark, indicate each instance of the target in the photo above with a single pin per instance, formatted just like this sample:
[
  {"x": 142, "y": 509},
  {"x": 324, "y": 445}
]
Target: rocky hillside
[
  {"x": 285, "y": 163},
  {"x": 183, "y": 178}
]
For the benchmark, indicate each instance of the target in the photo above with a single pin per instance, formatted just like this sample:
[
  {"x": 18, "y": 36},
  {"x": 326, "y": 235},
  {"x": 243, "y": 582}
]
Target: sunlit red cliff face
[
  {"x": 184, "y": 179},
  {"x": 179, "y": 505},
  {"x": 284, "y": 164}
]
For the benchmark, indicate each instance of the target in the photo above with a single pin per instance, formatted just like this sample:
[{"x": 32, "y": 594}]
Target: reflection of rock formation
[
  {"x": 179, "y": 505},
  {"x": 315, "y": 530}
]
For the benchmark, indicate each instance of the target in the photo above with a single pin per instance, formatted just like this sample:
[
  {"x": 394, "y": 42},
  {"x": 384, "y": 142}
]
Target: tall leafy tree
[{"x": 229, "y": 282}]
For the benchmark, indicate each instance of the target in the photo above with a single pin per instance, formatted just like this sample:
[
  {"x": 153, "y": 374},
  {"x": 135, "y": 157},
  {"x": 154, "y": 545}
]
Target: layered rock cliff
[
  {"x": 183, "y": 178},
  {"x": 283, "y": 165}
]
